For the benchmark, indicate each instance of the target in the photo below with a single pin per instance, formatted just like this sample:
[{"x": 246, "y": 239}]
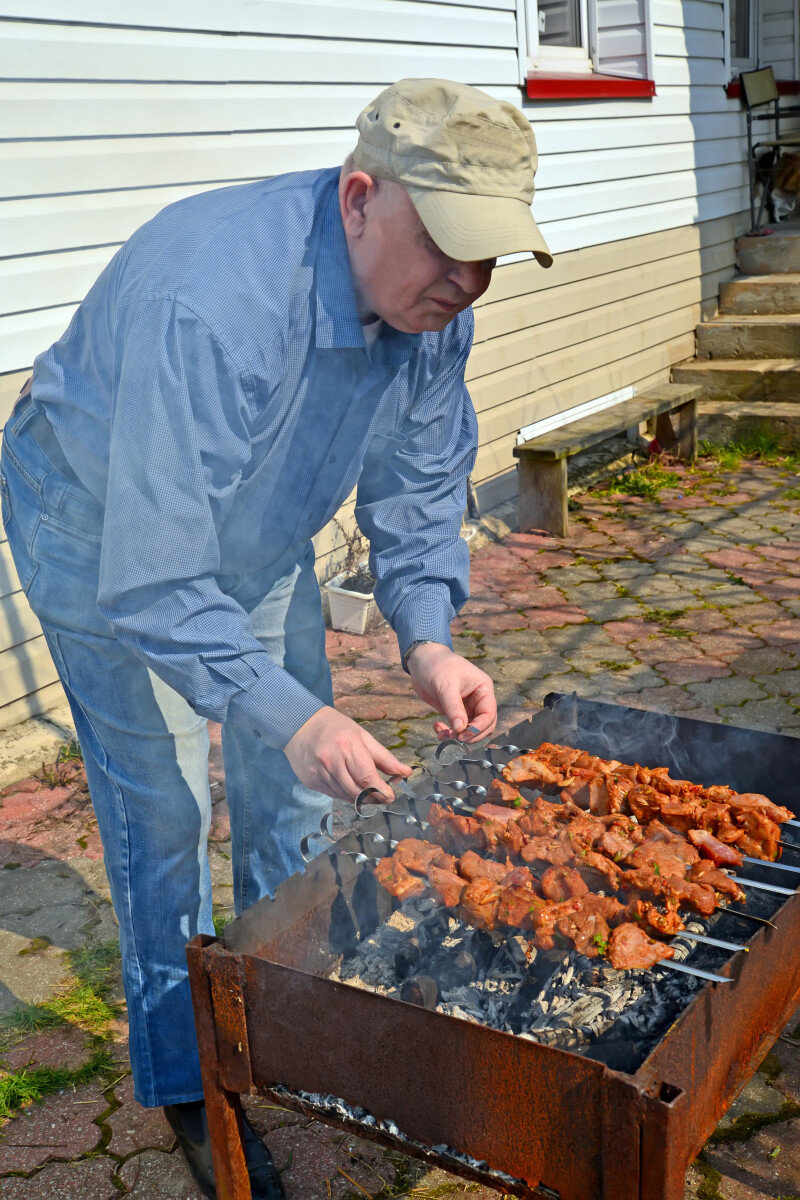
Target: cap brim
[{"x": 471, "y": 228}]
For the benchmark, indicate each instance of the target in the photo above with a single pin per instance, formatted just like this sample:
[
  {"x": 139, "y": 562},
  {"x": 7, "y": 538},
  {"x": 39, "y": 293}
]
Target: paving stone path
[{"x": 684, "y": 603}]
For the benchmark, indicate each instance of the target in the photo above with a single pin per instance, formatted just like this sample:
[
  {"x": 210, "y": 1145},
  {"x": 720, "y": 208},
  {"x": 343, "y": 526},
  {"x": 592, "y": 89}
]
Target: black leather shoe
[{"x": 190, "y": 1126}]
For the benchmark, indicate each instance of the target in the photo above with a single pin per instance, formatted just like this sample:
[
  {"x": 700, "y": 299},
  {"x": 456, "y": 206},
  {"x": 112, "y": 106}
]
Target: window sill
[
  {"x": 786, "y": 87},
  {"x": 551, "y": 85}
]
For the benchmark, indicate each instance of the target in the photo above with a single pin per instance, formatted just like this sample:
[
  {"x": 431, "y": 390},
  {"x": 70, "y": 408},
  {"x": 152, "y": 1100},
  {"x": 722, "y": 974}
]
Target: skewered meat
[
  {"x": 629, "y": 947},
  {"x": 710, "y": 847},
  {"x": 472, "y": 866},
  {"x": 505, "y": 793},
  {"x": 542, "y": 818},
  {"x": 533, "y": 771},
  {"x": 416, "y": 856},
  {"x": 480, "y": 901},
  {"x": 554, "y": 850},
  {"x": 455, "y": 832},
  {"x": 500, "y": 832},
  {"x": 610, "y": 909},
  {"x": 588, "y": 930},
  {"x": 545, "y": 917},
  {"x": 562, "y": 883},
  {"x": 706, "y": 873},
  {"x": 448, "y": 886},
  {"x": 517, "y": 906},
  {"x": 648, "y": 916},
  {"x": 397, "y": 880}
]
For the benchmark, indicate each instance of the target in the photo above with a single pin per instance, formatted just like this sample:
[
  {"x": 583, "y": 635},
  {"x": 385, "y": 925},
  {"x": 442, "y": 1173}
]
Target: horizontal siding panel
[
  {"x": 42, "y": 168},
  {"x": 390, "y": 20},
  {"x": 689, "y": 43},
  {"x": 561, "y": 204},
  {"x": 30, "y": 51},
  {"x": 40, "y": 280},
  {"x": 26, "y": 668},
  {"x": 689, "y": 14},
  {"x": 17, "y": 622},
  {"x": 25, "y": 335},
  {"x": 47, "y": 168},
  {"x": 32, "y": 705},
  {"x": 527, "y": 312},
  {"x": 68, "y": 109},
  {"x": 592, "y": 333}
]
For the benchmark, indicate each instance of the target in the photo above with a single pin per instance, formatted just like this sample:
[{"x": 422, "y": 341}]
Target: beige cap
[{"x": 466, "y": 160}]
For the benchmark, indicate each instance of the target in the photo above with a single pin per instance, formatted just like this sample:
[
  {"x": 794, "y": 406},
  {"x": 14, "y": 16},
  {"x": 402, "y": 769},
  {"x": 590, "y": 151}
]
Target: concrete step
[
  {"x": 759, "y": 336},
  {"x": 753, "y": 379},
  {"x": 770, "y": 253},
  {"x": 760, "y": 294},
  {"x": 725, "y": 421}
]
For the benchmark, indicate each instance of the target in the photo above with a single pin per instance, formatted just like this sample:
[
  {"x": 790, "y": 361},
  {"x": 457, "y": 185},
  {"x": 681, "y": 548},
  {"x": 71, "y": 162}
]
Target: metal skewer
[
  {"x": 789, "y": 845},
  {"x": 710, "y": 941},
  {"x": 745, "y": 916},
  {"x": 764, "y": 862},
  {"x": 763, "y": 887},
  {"x": 674, "y": 966}
]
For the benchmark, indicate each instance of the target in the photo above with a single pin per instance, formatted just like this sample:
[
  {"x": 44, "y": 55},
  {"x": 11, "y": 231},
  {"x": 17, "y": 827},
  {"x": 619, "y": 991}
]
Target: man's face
[{"x": 399, "y": 271}]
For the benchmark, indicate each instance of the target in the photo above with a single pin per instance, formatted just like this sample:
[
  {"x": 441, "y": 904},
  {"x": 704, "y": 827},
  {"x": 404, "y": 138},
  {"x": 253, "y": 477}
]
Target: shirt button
[{"x": 45, "y": 517}]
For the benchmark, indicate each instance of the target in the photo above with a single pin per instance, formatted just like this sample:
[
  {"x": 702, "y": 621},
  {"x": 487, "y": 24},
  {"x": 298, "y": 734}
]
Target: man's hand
[
  {"x": 334, "y": 755},
  {"x": 456, "y": 688}
]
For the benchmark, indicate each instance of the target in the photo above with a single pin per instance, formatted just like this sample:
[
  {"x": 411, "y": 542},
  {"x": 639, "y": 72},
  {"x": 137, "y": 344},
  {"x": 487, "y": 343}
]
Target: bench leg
[
  {"x": 677, "y": 430},
  {"x": 542, "y": 500}
]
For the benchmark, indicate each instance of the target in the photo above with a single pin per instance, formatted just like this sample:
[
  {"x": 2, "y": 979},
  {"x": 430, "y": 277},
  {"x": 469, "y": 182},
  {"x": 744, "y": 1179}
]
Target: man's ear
[{"x": 355, "y": 193}]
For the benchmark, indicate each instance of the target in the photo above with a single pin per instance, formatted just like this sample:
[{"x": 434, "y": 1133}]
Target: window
[
  {"x": 590, "y": 38},
  {"x": 741, "y": 21}
]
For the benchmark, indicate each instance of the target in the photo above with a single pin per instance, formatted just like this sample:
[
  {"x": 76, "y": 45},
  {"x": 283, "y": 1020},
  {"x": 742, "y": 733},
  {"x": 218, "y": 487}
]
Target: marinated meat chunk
[
  {"x": 710, "y": 847},
  {"x": 661, "y": 781},
  {"x": 501, "y": 792},
  {"x": 533, "y": 771},
  {"x": 698, "y": 896},
  {"x": 660, "y": 857},
  {"x": 682, "y": 814},
  {"x": 472, "y": 866},
  {"x": 521, "y": 877},
  {"x": 562, "y": 883},
  {"x": 588, "y": 931},
  {"x": 591, "y": 865},
  {"x": 479, "y": 903},
  {"x": 497, "y": 812},
  {"x": 583, "y": 784},
  {"x": 717, "y": 794},
  {"x": 760, "y": 829},
  {"x": 630, "y": 948},
  {"x": 644, "y": 802},
  {"x": 545, "y": 918},
  {"x": 705, "y": 872},
  {"x": 542, "y": 819},
  {"x": 397, "y": 880},
  {"x": 758, "y": 803},
  {"x": 455, "y": 832},
  {"x": 417, "y": 856},
  {"x": 665, "y": 922},
  {"x": 618, "y": 787},
  {"x": 517, "y": 907},
  {"x": 555, "y": 850},
  {"x": 447, "y": 886},
  {"x": 616, "y": 845},
  {"x": 608, "y": 907},
  {"x": 505, "y": 836}
]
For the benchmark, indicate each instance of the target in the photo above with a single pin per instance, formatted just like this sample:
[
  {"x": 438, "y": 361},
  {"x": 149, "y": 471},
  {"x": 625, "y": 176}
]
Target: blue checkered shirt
[{"x": 214, "y": 391}]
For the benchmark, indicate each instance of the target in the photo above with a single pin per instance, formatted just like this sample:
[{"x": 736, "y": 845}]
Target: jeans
[{"x": 146, "y": 751}]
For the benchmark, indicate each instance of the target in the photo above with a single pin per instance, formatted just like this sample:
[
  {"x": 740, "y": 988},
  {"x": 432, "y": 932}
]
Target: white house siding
[
  {"x": 110, "y": 109},
  {"x": 778, "y": 43}
]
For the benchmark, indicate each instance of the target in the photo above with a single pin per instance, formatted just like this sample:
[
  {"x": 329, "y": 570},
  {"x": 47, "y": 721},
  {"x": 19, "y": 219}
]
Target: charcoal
[
  {"x": 406, "y": 959},
  {"x": 421, "y": 990}
]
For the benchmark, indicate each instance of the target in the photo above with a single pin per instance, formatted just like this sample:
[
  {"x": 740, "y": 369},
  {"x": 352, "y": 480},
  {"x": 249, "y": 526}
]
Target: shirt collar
[{"x": 338, "y": 326}]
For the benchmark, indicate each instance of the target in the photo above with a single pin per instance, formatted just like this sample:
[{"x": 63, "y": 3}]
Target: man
[{"x": 246, "y": 359}]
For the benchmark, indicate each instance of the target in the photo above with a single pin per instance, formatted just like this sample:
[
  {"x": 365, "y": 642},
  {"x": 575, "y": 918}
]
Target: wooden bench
[{"x": 671, "y": 413}]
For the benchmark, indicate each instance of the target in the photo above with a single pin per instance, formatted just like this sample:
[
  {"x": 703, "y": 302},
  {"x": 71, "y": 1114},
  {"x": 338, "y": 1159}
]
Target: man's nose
[{"x": 468, "y": 275}]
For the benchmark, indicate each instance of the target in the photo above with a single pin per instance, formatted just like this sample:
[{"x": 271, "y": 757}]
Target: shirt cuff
[
  {"x": 424, "y": 616},
  {"x": 273, "y": 708}
]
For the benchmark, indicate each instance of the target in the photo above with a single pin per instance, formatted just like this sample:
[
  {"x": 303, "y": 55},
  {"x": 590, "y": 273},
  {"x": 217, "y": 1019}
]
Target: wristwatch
[{"x": 411, "y": 648}]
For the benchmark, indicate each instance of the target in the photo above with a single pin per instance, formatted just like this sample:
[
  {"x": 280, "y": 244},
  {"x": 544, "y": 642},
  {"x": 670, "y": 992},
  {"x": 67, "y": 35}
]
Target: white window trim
[
  {"x": 561, "y": 59},
  {"x": 734, "y": 66}
]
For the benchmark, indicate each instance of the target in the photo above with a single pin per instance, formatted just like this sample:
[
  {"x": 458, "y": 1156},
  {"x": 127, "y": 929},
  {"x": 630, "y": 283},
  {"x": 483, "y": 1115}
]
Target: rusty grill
[{"x": 555, "y": 1078}]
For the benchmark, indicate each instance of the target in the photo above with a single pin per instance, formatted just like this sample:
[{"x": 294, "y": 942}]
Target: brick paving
[{"x": 686, "y": 603}]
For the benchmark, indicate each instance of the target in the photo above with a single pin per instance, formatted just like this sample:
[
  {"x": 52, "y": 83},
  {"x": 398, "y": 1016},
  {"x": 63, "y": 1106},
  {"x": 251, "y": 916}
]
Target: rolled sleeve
[
  {"x": 179, "y": 443},
  {"x": 411, "y": 502}
]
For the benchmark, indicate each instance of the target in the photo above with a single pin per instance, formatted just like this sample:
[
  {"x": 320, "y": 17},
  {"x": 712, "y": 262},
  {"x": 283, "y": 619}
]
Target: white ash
[
  {"x": 577, "y": 1001},
  {"x": 333, "y": 1106}
]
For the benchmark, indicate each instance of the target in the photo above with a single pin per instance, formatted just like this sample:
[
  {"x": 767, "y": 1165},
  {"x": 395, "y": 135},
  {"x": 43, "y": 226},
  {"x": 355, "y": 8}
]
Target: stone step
[
  {"x": 759, "y": 336},
  {"x": 725, "y": 421},
  {"x": 753, "y": 379},
  {"x": 773, "y": 253},
  {"x": 761, "y": 294}
]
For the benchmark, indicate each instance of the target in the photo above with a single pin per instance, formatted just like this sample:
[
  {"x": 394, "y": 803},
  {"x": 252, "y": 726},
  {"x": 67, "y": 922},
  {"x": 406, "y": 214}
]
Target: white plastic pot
[{"x": 351, "y": 612}]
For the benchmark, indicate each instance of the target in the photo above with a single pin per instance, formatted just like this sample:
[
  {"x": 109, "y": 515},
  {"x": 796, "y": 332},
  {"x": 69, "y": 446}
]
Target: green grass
[
  {"x": 221, "y": 920},
  {"x": 646, "y": 481},
  {"x": 664, "y": 617},
  {"x": 792, "y": 493},
  {"x": 611, "y": 664},
  {"x": 759, "y": 442},
  {"x": 85, "y": 1002}
]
